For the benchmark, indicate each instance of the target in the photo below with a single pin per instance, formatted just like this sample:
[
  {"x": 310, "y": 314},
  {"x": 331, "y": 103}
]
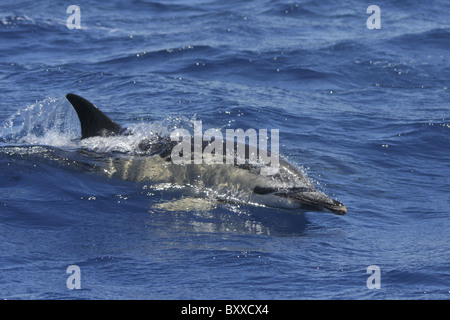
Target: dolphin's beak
[
  {"x": 335, "y": 207},
  {"x": 315, "y": 198}
]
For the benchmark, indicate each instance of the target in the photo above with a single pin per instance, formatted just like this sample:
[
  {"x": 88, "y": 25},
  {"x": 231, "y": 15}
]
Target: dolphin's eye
[{"x": 144, "y": 145}]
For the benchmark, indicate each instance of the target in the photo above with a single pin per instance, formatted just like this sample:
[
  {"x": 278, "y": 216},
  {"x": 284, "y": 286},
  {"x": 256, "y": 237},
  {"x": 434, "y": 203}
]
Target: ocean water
[{"x": 364, "y": 112}]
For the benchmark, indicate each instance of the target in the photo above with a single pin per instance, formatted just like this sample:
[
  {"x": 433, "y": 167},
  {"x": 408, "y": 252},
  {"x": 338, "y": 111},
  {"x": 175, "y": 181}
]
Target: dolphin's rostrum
[{"x": 288, "y": 187}]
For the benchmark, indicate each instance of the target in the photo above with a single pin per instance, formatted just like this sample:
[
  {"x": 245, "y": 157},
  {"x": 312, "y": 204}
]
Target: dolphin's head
[
  {"x": 305, "y": 197},
  {"x": 315, "y": 199}
]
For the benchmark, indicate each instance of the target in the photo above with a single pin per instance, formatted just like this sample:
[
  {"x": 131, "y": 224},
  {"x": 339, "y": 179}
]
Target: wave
[
  {"x": 292, "y": 10},
  {"x": 161, "y": 55},
  {"x": 12, "y": 21},
  {"x": 435, "y": 38},
  {"x": 208, "y": 62},
  {"x": 22, "y": 25}
]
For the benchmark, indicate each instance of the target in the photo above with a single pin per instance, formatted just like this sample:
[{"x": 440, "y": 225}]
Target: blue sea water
[{"x": 365, "y": 112}]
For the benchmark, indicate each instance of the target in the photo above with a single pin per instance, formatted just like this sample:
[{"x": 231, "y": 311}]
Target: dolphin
[{"x": 242, "y": 183}]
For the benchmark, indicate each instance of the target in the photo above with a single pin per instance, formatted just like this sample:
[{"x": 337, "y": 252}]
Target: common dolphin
[{"x": 288, "y": 187}]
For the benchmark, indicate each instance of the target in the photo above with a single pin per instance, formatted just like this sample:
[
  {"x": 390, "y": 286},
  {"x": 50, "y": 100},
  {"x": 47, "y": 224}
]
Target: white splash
[{"x": 51, "y": 122}]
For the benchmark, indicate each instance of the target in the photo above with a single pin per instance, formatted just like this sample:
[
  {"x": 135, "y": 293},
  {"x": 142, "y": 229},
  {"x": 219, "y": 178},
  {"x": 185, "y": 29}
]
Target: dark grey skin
[{"x": 288, "y": 187}]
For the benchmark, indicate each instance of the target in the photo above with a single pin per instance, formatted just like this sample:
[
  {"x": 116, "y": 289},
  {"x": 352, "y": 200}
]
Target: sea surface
[{"x": 364, "y": 112}]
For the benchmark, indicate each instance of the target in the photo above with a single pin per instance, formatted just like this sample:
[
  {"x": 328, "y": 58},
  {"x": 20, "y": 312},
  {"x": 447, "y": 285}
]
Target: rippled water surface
[{"x": 365, "y": 113}]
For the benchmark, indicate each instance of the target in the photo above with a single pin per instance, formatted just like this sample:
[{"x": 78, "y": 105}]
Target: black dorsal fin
[{"x": 93, "y": 121}]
